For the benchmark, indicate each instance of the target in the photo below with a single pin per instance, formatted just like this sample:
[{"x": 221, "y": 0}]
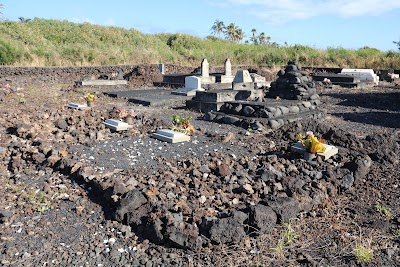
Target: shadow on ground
[
  {"x": 385, "y": 119},
  {"x": 381, "y": 101}
]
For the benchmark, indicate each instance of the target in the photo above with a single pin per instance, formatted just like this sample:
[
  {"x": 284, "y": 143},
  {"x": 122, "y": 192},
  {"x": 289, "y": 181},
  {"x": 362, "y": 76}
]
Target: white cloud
[
  {"x": 280, "y": 11},
  {"x": 109, "y": 22},
  {"x": 82, "y": 20}
]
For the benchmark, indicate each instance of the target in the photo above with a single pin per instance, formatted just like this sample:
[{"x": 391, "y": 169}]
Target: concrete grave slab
[
  {"x": 160, "y": 100},
  {"x": 365, "y": 75},
  {"x": 101, "y": 82},
  {"x": 170, "y": 136},
  {"x": 78, "y": 106},
  {"x": 330, "y": 151},
  {"x": 116, "y": 125},
  {"x": 138, "y": 93},
  {"x": 192, "y": 85}
]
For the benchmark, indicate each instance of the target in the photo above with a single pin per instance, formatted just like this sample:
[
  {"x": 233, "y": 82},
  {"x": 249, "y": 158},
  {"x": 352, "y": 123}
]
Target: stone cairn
[{"x": 293, "y": 84}]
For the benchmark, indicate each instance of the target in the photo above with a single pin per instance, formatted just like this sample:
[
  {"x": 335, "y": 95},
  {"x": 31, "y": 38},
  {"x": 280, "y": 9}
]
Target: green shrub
[
  {"x": 52, "y": 42},
  {"x": 8, "y": 54}
]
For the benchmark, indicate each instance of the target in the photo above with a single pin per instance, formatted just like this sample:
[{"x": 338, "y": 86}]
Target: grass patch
[
  {"x": 288, "y": 236},
  {"x": 363, "y": 254},
  {"x": 385, "y": 211}
]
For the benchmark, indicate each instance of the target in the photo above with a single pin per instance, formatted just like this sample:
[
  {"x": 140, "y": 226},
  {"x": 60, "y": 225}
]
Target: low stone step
[
  {"x": 222, "y": 95},
  {"x": 138, "y": 93},
  {"x": 101, "y": 82},
  {"x": 257, "y": 123},
  {"x": 160, "y": 100}
]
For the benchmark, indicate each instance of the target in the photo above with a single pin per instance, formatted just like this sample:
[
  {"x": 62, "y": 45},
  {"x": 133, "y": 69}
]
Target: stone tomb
[
  {"x": 292, "y": 97},
  {"x": 212, "y": 100},
  {"x": 365, "y": 75},
  {"x": 329, "y": 152},
  {"x": 192, "y": 85},
  {"x": 170, "y": 136},
  {"x": 117, "y": 125}
]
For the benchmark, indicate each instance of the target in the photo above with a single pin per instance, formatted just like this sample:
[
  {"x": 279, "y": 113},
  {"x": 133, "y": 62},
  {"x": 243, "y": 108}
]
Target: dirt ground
[{"x": 64, "y": 178}]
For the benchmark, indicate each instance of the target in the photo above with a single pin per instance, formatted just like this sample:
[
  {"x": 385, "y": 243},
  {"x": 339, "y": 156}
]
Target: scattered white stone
[{"x": 202, "y": 199}]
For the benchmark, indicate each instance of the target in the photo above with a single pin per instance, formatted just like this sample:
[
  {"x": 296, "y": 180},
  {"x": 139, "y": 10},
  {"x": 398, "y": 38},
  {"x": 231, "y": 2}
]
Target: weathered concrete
[
  {"x": 170, "y": 136},
  {"x": 116, "y": 125},
  {"x": 160, "y": 100},
  {"x": 138, "y": 93},
  {"x": 77, "y": 106},
  {"x": 330, "y": 151},
  {"x": 101, "y": 82}
]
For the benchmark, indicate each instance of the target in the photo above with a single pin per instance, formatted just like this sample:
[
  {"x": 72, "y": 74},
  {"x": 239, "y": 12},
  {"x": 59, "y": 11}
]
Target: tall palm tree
[
  {"x": 254, "y": 37},
  {"x": 218, "y": 28},
  {"x": 261, "y": 38},
  {"x": 239, "y": 35},
  {"x": 268, "y": 40},
  {"x": 230, "y": 31}
]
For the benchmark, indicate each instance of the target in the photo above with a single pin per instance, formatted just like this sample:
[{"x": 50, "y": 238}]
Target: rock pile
[{"x": 294, "y": 84}]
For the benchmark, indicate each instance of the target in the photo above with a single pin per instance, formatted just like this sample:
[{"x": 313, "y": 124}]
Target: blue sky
[{"x": 350, "y": 24}]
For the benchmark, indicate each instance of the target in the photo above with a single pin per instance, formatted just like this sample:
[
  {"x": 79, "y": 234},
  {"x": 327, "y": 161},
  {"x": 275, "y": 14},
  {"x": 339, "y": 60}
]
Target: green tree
[
  {"x": 254, "y": 38},
  {"x": 239, "y": 35},
  {"x": 268, "y": 40},
  {"x": 230, "y": 32},
  {"x": 397, "y": 43},
  {"x": 218, "y": 28},
  {"x": 262, "y": 38}
]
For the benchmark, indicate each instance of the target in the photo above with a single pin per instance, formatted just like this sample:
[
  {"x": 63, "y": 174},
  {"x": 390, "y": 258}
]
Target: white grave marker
[
  {"x": 329, "y": 152},
  {"x": 170, "y": 136},
  {"x": 116, "y": 125},
  {"x": 192, "y": 85},
  {"x": 77, "y": 106}
]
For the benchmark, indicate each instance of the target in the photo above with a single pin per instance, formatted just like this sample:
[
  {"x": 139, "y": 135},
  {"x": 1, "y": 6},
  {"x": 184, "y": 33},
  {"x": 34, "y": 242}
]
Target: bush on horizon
[{"x": 42, "y": 42}]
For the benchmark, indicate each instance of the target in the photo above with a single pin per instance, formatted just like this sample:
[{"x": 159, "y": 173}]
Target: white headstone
[
  {"x": 162, "y": 69},
  {"x": 192, "y": 82},
  {"x": 242, "y": 76},
  {"x": 205, "y": 68},
  {"x": 192, "y": 85},
  {"x": 228, "y": 67}
]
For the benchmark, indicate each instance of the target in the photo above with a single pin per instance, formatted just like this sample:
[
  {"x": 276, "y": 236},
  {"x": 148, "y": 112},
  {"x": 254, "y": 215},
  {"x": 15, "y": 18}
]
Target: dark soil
[{"x": 76, "y": 194}]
